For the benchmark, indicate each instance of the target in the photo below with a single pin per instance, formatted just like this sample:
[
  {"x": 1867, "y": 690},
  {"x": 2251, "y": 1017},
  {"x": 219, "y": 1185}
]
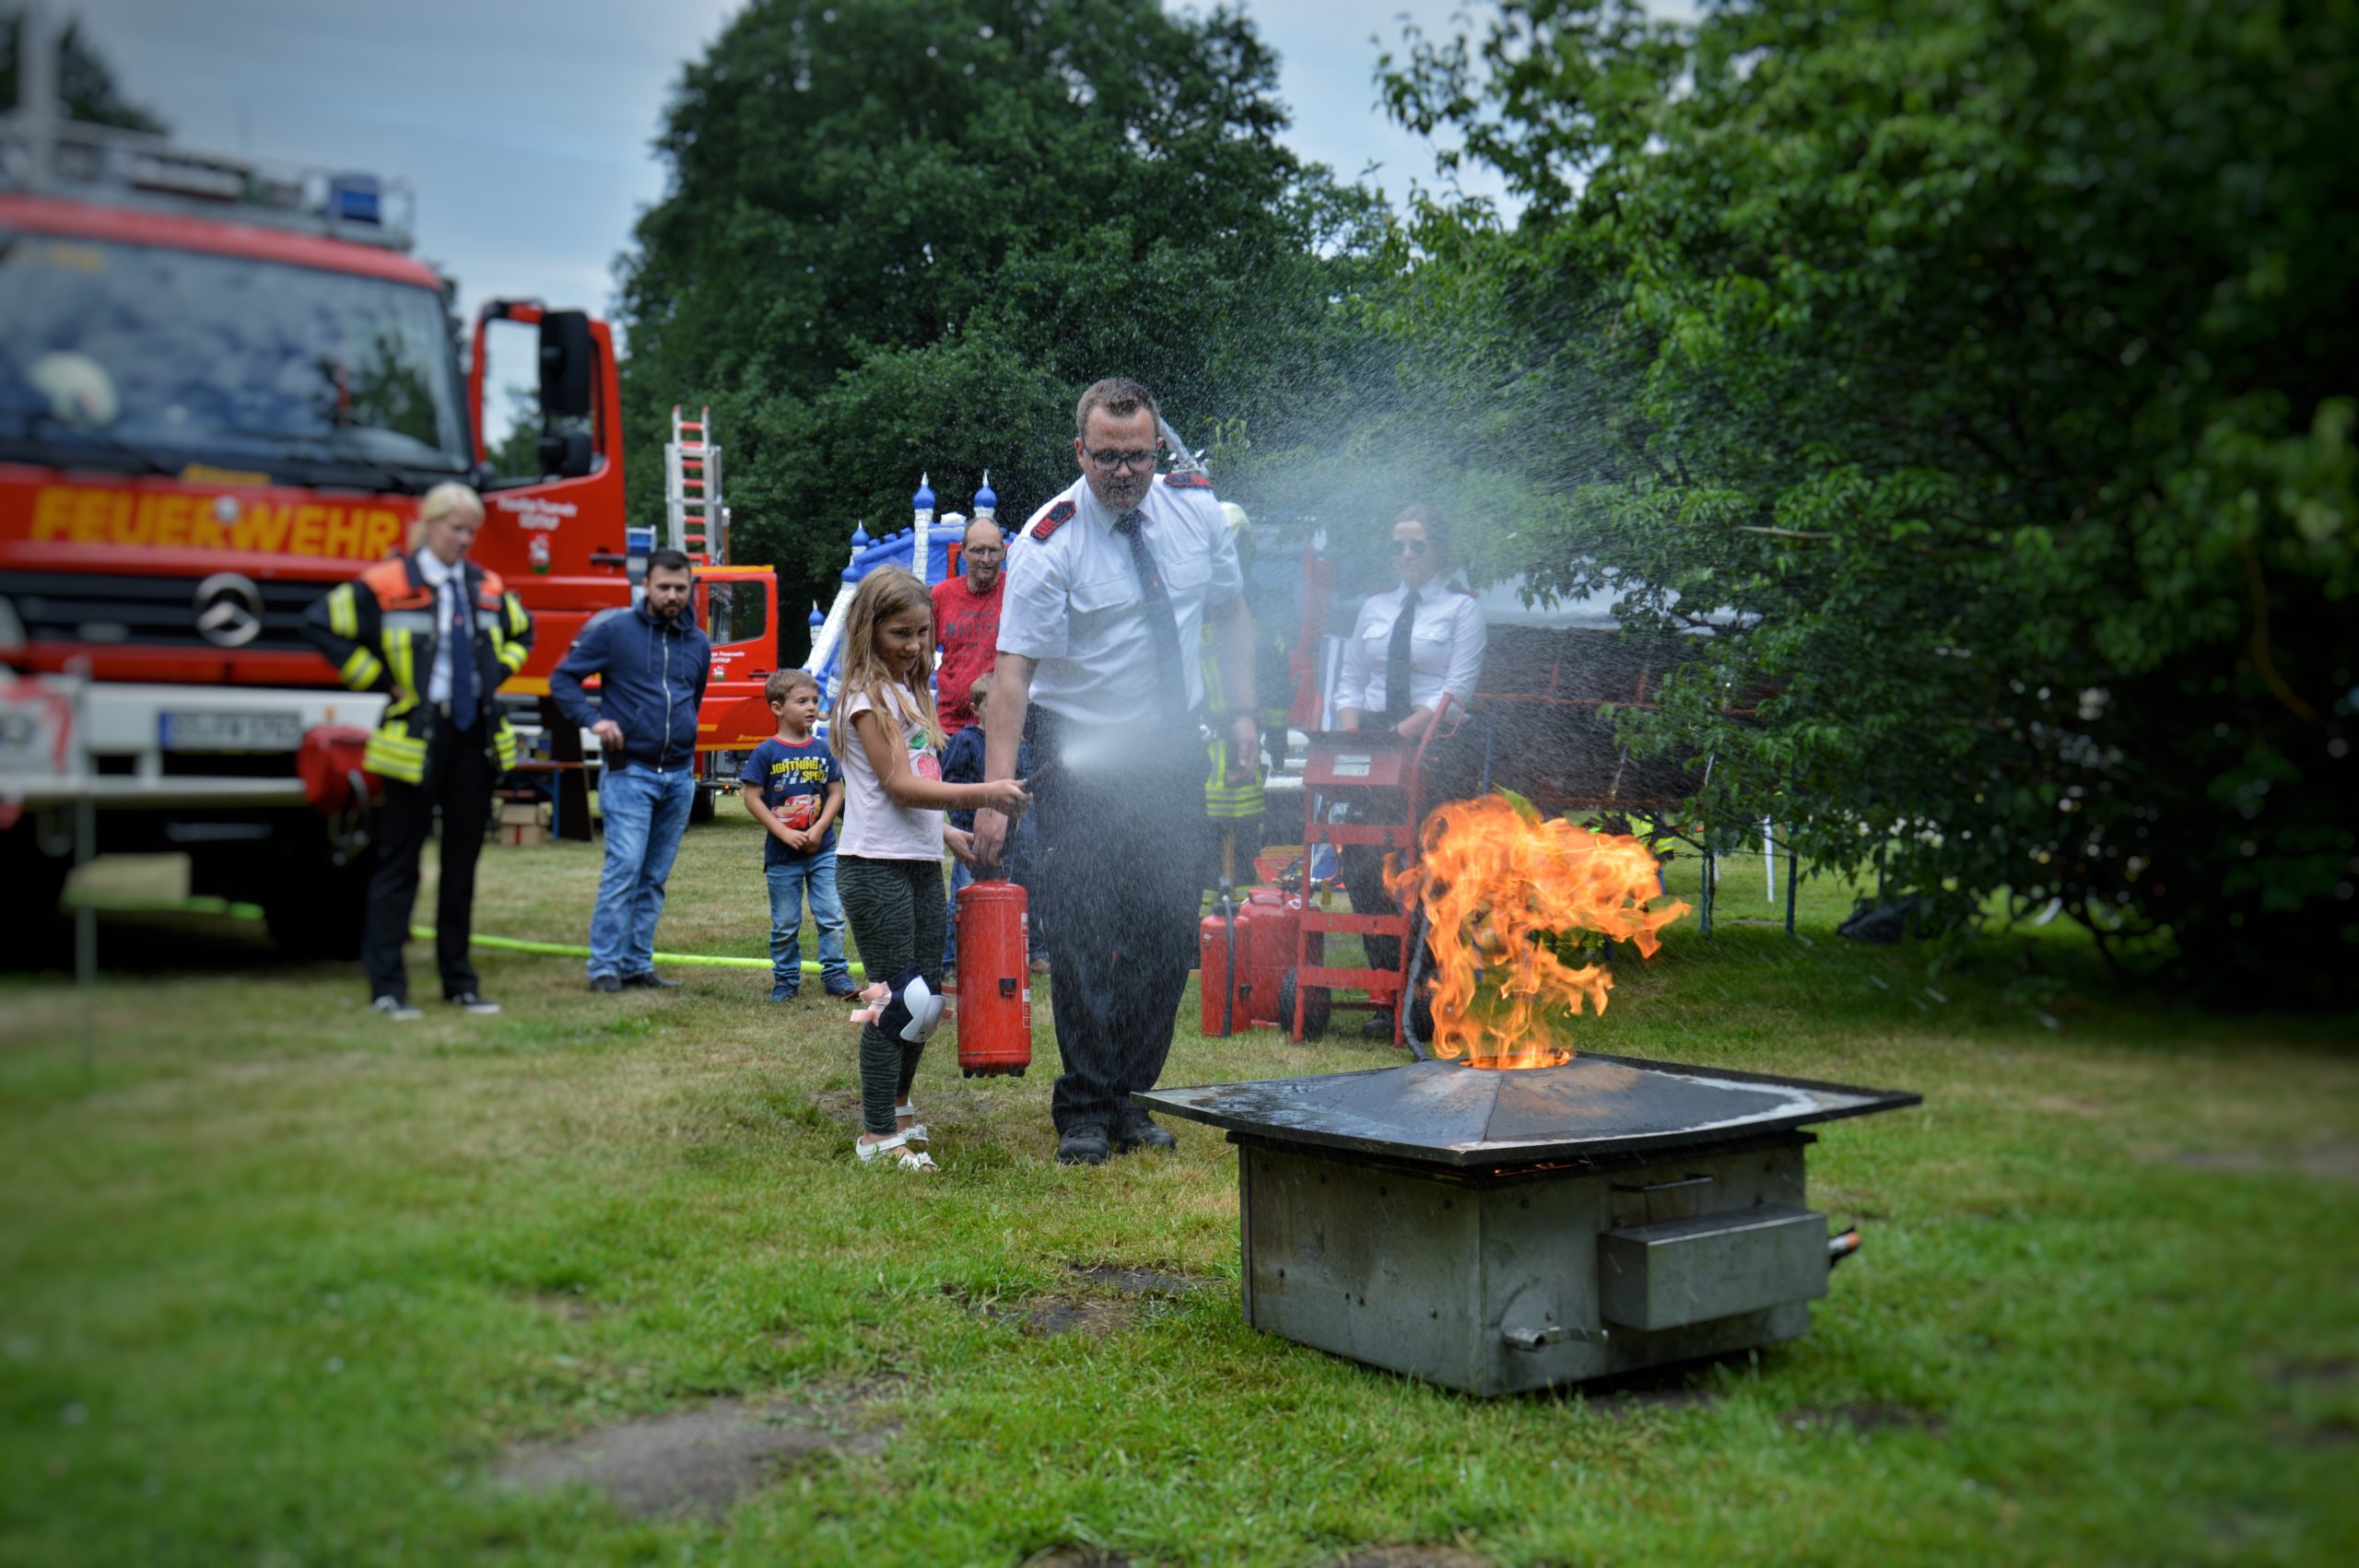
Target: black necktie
[
  {"x": 1162, "y": 628},
  {"x": 1396, "y": 659},
  {"x": 462, "y": 658}
]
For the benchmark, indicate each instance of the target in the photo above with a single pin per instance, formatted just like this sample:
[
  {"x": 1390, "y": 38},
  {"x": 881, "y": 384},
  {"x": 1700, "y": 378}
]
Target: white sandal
[
  {"x": 897, "y": 1146},
  {"x": 915, "y": 1131}
]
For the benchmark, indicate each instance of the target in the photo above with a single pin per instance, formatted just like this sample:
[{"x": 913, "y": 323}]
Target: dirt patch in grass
[
  {"x": 2331, "y": 1434},
  {"x": 696, "y": 1462},
  {"x": 1110, "y": 1303},
  {"x": 1865, "y": 1417},
  {"x": 1059, "y": 1313},
  {"x": 1126, "y": 1280},
  {"x": 838, "y": 1105},
  {"x": 2336, "y": 1159},
  {"x": 1684, "y": 1386},
  {"x": 1621, "y": 1404},
  {"x": 1415, "y": 1555},
  {"x": 1075, "y": 1557},
  {"x": 2327, "y": 1373},
  {"x": 571, "y": 1308}
]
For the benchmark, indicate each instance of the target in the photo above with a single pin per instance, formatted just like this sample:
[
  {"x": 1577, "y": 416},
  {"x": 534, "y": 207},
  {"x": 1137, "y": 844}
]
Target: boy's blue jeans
[
  {"x": 790, "y": 880},
  {"x": 645, "y": 811},
  {"x": 961, "y": 875}
]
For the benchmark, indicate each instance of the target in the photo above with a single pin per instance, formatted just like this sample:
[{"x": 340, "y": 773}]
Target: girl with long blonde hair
[{"x": 888, "y": 861}]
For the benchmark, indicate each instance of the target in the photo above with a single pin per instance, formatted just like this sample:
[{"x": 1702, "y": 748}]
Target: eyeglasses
[
  {"x": 1122, "y": 459},
  {"x": 986, "y": 552},
  {"x": 1408, "y": 547}
]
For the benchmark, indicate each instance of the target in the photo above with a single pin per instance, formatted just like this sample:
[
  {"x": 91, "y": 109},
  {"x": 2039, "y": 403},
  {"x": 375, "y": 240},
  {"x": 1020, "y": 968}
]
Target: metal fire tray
[{"x": 1444, "y": 1112}]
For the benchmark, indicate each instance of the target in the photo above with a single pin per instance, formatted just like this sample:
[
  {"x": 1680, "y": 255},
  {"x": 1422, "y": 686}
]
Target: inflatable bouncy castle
[{"x": 928, "y": 547}]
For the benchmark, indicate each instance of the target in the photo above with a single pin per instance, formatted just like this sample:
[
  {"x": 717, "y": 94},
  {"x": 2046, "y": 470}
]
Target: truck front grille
[{"x": 149, "y": 610}]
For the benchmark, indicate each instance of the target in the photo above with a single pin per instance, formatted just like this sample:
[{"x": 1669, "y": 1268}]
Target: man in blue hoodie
[{"x": 652, "y": 661}]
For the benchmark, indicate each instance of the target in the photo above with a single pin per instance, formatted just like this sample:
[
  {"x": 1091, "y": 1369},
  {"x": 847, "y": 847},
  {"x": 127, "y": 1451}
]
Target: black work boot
[
  {"x": 1138, "y": 1130},
  {"x": 1083, "y": 1145}
]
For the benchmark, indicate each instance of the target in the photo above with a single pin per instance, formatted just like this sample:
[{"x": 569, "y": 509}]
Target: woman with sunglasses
[{"x": 1412, "y": 646}]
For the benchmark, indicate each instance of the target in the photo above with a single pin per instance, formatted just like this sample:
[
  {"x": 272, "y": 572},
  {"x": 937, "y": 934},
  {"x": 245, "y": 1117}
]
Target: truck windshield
[{"x": 150, "y": 358}]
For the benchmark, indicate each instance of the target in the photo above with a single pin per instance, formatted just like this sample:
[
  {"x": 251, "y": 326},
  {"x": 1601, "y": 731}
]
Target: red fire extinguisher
[
  {"x": 1266, "y": 931},
  {"x": 1222, "y": 983},
  {"x": 994, "y": 980}
]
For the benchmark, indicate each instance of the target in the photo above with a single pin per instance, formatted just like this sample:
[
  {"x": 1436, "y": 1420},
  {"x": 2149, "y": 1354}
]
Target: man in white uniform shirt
[{"x": 1108, "y": 591}]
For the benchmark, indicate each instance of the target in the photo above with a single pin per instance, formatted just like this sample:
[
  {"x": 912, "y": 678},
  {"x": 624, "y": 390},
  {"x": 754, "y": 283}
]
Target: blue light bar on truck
[
  {"x": 356, "y": 198},
  {"x": 135, "y": 167}
]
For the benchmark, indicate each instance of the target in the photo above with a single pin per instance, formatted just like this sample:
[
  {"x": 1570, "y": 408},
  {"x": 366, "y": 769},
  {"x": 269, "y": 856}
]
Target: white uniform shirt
[
  {"x": 448, "y": 583},
  {"x": 1074, "y": 604},
  {"x": 1445, "y": 649}
]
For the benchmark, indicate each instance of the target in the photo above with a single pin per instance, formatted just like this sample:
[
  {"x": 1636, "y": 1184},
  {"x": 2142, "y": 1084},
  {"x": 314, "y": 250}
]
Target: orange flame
[{"x": 1507, "y": 896}]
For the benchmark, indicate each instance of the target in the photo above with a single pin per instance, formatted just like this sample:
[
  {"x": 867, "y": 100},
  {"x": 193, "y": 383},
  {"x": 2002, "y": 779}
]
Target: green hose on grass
[
  {"x": 199, "y": 905},
  {"x": 207, "y": 906}
]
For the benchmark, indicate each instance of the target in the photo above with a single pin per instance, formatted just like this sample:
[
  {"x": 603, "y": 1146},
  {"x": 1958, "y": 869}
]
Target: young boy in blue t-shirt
[{"x": 794, "y": 788}]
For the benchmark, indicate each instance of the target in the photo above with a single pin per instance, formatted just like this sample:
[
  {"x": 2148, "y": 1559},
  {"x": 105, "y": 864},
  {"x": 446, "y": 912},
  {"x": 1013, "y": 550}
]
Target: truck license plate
[{"x": 257, "y": 730}]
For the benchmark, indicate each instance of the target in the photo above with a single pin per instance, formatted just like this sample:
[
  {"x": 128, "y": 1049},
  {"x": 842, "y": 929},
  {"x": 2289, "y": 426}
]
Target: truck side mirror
[{"x": 566, "y": 355}]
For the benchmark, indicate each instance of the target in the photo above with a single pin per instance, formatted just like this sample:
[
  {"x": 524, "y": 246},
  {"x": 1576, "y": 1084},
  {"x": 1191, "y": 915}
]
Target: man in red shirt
[{"x": 966, "y": 622}]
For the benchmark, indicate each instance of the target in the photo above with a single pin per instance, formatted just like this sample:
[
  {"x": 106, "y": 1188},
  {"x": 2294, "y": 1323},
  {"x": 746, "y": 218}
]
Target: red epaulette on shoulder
[
  {"x": 1188, "y": 480},
  {"x": 1055, "y": 518}
]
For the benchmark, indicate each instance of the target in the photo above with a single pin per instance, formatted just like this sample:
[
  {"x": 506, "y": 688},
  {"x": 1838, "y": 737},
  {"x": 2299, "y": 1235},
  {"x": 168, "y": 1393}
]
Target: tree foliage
[
  {"x": 902, "y": 238},
  {"x": 86, "y": 84},
  {"x": 1993, "y": 360}
]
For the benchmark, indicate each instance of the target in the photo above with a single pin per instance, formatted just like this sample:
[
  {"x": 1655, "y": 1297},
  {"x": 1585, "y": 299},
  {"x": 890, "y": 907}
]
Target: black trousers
[
  {"x": 1453, "y": 771},
  {"x": 1120, "y": 853},
  {"x": 458, "y": 782},
  {"x": 1245, "y": 833}
]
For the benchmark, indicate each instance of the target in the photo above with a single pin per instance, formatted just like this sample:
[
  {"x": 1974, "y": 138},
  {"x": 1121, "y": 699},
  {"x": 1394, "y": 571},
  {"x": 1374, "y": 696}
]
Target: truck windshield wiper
[
  {"x": 369, "y": 470},
  {"x": 44, "y": 438}
]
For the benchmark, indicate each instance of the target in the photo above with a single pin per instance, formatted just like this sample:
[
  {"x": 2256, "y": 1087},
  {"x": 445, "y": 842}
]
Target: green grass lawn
[{"x": 282, "y": 1283}]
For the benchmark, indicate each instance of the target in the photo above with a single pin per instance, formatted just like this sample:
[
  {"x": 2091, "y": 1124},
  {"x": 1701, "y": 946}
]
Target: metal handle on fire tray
[{"x": 1548, "y": 1334}]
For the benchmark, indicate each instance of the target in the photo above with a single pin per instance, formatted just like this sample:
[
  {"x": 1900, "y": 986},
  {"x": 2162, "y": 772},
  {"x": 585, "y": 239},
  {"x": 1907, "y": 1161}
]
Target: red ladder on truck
[
  {"x": 1376, "y": 774},
  {"x": 696, "y": 522}
]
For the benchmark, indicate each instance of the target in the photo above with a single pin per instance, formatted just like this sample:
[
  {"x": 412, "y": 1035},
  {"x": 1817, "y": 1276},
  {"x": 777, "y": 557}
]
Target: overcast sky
[{"x": 524, "y": 126}]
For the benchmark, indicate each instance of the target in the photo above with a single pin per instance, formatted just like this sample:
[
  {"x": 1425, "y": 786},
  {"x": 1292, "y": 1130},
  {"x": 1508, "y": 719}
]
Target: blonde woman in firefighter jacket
[{"x": 438, "y": 634}]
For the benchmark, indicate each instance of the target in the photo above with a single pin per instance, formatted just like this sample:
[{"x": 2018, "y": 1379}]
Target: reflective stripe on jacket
[
  {"x": 1222, "y": 798},
  {"x": 381, "y": 633}
]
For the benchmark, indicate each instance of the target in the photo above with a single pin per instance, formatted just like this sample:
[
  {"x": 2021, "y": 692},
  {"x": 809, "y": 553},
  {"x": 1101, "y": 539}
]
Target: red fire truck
[{"x": 223, "y": 387}]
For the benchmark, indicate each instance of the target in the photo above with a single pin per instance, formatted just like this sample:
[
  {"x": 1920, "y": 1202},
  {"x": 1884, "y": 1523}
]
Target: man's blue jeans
[
  {"x": 788, "y": 881},
  {"x": 646, "y": 809}
]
